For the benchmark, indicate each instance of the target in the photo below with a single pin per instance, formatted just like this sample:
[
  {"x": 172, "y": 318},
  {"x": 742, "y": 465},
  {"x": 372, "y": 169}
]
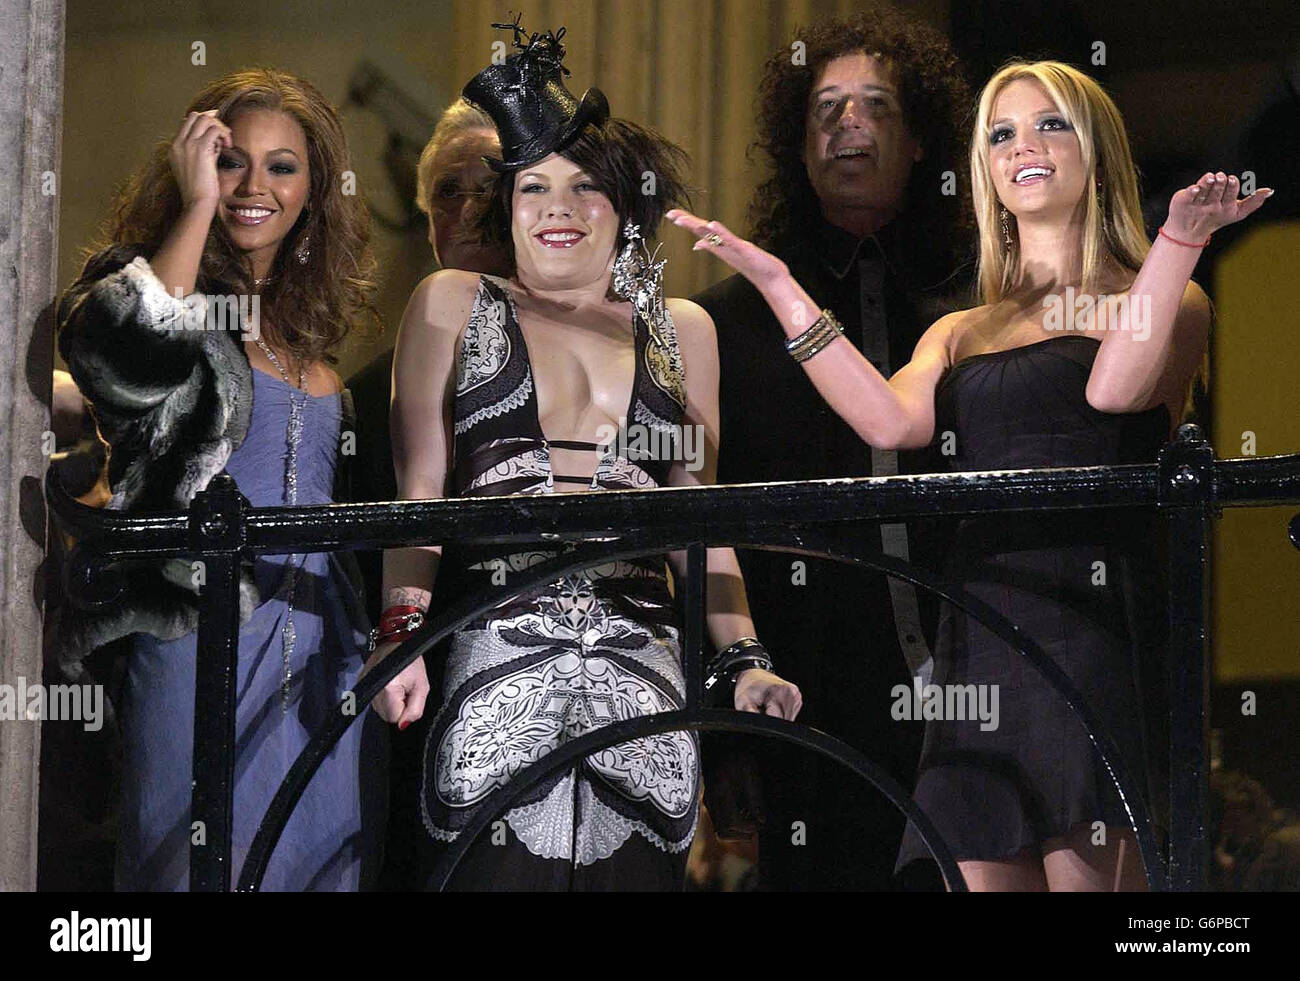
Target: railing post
[
  {"x": 694, "y": 611},
  {"x": 1187, "y": 496},
  {"x": 217, "y": 533}
]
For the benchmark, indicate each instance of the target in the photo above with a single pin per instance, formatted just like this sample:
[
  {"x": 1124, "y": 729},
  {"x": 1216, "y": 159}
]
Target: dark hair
[
  {"x": 623, "y": 159},
  {"x": 936, "y": 101},
  {"x": 309, "y": 308}
]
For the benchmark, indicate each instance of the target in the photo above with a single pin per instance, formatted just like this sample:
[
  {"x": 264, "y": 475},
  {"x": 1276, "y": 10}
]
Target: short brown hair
[{"x": 623, "y": 159}]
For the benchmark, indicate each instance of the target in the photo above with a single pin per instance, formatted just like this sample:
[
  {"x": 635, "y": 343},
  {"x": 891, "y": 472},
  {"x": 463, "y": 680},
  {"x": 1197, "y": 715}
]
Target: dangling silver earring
[
  {"x": 626, "y": 264},
  {"x": 1006, "y": 227},
  {"x": 304, "y": 250}
]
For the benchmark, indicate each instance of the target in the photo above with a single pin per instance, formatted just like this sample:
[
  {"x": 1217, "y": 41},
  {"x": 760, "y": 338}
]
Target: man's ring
[{"x": 713, "y": 238}]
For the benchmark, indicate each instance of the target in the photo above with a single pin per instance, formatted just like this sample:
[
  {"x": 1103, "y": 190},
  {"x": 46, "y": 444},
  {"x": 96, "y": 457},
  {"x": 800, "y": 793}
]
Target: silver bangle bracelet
[{"x": 815, "y": 339}]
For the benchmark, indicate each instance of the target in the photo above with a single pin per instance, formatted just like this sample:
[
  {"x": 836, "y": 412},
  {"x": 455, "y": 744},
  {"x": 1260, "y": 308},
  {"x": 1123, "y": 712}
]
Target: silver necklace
[{"x": 293, "y": 438}]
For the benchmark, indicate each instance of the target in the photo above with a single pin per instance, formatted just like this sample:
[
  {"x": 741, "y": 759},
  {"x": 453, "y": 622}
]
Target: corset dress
[{"x": 593, "y": 647}]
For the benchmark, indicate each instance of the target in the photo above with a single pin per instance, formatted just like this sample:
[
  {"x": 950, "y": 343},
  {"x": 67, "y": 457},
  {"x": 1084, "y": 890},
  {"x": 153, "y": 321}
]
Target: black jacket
[{"x": 776, "y": 426}]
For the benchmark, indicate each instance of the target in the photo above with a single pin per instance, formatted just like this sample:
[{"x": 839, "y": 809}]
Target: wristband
[
  {"x": 1177, "y": 241},
  {"x": 396, "y": 625},
  {"x": 728, "y": 663}
]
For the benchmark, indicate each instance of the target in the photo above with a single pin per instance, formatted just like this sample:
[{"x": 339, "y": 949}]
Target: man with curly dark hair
[{"x": 862, "y": 121}]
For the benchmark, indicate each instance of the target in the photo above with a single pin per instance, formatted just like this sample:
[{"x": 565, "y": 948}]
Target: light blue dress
[{"x": 332, "y": 839}]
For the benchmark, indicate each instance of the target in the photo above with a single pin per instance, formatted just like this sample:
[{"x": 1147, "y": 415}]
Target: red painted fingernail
[{"x": 403, "y": 724}]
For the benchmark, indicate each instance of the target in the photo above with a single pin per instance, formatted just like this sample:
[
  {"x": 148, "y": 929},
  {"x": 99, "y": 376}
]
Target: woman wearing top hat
[{"x": 514, "y": 386}]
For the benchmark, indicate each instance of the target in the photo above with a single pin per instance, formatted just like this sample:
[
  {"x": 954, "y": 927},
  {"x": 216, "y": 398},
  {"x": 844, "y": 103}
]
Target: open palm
[{"x": 1199, "y": 210}]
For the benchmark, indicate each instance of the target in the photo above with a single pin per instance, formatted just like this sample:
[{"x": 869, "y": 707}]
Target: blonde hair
[
  {"x": 460, "y": 117},
  {"x": 1113, "y": 216}
]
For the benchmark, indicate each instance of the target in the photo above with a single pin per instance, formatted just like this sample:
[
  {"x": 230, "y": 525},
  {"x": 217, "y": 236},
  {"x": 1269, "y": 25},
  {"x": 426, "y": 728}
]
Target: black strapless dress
[{"x": 1036, "y": 775}]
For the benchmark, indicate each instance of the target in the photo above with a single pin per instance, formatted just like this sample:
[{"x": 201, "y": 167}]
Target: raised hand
[
  {"x": 756, "y": 265},
  {"x": 1196, "y": 212},
  {"x": 193, "y": 158}
]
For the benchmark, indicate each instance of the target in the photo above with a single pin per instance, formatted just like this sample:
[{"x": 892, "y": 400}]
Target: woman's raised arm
[
  {"x": 888, "y": 414},
  {"x": 1151, "y": 353}
]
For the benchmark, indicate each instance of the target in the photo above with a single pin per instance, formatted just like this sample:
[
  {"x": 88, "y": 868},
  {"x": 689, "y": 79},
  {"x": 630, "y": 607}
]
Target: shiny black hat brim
[{"x": 592, "y": 108}]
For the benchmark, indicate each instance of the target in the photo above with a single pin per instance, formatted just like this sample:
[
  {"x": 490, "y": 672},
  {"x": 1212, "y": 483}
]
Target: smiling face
[
  {"x": 564, "y": 229},
  {"x": 1035, "y": 159},
  {"x": 265, "y": 182},
  {"x": 459, "y": 177},
  {"x": 858, "y": 150}
]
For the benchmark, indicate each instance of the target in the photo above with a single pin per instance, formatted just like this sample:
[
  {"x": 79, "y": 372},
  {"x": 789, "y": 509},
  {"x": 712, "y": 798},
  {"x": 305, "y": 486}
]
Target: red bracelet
[
  {"x": 394, "y": 613},
  {"x": 1190, "y": 245},
  {"x": 399, "y": 610}
]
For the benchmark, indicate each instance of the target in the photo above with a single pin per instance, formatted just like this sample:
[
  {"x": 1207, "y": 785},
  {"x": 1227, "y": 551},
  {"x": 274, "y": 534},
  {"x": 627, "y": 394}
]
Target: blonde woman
[{"x": 1081, "y": 354}]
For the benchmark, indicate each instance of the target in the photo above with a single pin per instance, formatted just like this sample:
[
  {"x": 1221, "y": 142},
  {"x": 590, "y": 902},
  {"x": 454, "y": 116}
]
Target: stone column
[{"x": 31, "y": 115}]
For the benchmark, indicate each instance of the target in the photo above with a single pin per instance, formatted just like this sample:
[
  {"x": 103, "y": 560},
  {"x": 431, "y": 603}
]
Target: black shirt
[{"x": 830, "y": 628}]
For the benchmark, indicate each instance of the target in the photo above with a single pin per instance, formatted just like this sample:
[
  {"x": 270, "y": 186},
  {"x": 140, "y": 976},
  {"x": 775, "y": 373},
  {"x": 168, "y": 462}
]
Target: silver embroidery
[
  {"x": 546, "y": 827},
  {"x": 484, "y": 352},
  {"x": 485, "y": 348},
  {"x": 512, "y": 401},
  {"x": 605, "y": 830},
  {"x": 646, "y": 417},
  {"x": 519, "y": 718}
]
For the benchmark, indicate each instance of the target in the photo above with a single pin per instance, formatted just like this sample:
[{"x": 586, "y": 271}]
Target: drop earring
[
  {"x": 1006, "y": 227},
  {"x": 303, "y": 252}
]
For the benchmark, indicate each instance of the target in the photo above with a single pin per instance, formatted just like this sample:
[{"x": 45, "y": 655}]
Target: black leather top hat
[{"x": 535, "y": 114}]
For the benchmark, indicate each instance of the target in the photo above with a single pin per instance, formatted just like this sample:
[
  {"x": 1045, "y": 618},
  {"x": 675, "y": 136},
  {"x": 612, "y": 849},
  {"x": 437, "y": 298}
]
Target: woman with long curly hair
[
  {"x": 1082, "y": 354},
  {"x": 202, "y": 335}
]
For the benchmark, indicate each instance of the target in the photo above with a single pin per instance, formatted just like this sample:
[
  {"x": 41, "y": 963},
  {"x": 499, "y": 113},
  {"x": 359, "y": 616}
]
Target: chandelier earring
[{"x": 303, "y": 252}]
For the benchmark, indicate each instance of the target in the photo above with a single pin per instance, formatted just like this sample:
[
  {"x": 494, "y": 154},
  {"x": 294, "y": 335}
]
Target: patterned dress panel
[
  {"x": 490, "y": 382},
  {"x": 591, "y": 648}
]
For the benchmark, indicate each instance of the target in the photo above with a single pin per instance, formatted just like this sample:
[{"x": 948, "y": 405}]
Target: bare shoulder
[
  {"x": 945, "y": 334},
  {"x": 696, "y": 336},
  {"x": 689, "y": 316},
  {"x": 444, "y": 299}
]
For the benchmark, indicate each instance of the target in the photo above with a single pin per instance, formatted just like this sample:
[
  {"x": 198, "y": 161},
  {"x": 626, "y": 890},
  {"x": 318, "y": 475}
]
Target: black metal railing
[{"x": 817, "y": 518}]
